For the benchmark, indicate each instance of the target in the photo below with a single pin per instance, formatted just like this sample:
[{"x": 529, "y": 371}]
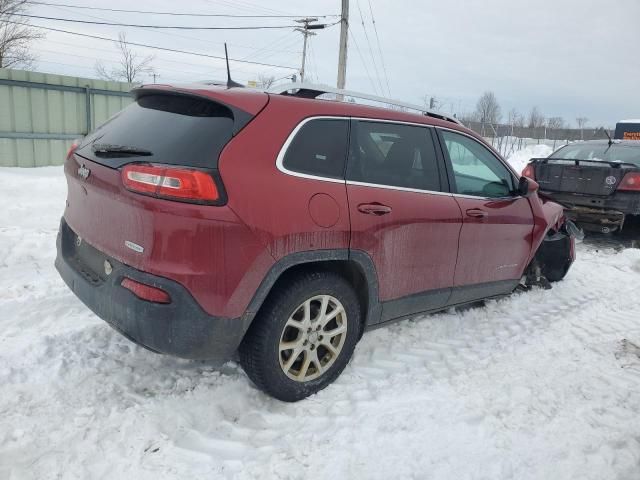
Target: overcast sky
[{"x": 568, "y": 57}]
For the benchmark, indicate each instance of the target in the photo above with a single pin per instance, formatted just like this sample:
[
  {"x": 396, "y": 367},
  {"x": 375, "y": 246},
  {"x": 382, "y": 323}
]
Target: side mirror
[{"x": 527, "y": 187}]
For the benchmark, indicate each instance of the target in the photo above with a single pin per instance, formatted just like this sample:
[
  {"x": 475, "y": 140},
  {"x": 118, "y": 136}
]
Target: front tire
[{"x": 303, "y": 337}]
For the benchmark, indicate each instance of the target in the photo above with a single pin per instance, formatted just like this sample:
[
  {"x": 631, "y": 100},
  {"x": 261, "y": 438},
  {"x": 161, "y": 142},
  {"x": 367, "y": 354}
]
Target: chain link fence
[{"x": 508, "y": 139}]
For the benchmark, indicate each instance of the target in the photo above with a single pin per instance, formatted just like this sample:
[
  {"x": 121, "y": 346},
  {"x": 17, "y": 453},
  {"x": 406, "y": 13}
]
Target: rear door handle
[
  {"x": 477, "y": 213},
  {"x": 374, "y": 208}
]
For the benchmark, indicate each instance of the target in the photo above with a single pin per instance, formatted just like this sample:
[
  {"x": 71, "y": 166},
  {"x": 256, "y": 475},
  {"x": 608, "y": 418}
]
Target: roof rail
[{"x": 313, "y": 90}]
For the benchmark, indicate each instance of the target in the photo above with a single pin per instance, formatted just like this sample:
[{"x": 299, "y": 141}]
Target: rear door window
[
  {"x": 394, "y": 154},
  {"x": 319, "y": 148},
  {"x": 162, "y": 128}
]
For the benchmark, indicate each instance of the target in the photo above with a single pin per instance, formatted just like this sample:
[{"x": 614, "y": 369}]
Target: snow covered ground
[
  {"x": 542, "y": 385},
  {"x": 520, "y": 158}
]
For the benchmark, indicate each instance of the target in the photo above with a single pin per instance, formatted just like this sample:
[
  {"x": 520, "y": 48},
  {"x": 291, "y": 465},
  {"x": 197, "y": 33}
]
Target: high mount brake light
[
  {"x": 529, "y": 171},
  {"x": 171, "y": 183},
  {"x": 630, "y": 182}
]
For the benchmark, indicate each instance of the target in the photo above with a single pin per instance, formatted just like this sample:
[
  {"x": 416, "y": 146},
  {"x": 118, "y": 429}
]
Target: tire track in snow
[{"x": 122, "y": 400}]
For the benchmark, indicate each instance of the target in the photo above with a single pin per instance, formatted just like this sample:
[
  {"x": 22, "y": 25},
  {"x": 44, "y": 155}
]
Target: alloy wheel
[{"x": 312, "y": 338}]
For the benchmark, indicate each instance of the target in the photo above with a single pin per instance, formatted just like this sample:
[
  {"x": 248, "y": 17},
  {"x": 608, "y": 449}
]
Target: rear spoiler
[
  {"x": 578, "y": 162},
  {"x": 240, "y": 116}
]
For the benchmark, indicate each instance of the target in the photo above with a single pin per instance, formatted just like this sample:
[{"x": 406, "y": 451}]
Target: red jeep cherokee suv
[{"x": 203, "y": 221}]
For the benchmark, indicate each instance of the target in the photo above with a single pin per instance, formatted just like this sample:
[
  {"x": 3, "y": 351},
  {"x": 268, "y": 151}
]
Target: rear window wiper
[{"x": 110, "y": 150}]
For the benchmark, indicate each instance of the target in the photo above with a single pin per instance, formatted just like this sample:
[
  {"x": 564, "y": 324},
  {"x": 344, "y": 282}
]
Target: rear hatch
[
  {"x": 586, "y": 177},
  {"x": 594, "y": 168},
  {"x": 164, "y": 126}
]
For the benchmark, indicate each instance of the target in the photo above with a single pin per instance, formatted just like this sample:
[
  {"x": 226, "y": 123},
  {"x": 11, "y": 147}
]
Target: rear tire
[{"x": 303, "y": 336}]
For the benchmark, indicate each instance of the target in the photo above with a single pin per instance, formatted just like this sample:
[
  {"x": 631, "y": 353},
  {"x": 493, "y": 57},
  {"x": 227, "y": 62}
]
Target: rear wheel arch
[
  {"x": 304, "y": 337},
  {"x": 355, "y": 266}
]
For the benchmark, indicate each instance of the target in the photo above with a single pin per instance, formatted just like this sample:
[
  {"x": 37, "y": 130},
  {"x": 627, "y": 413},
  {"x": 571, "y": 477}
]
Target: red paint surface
[
  {"x": 206, "y": 249},
  {"x": 414, "y": 246},
  {"x": 221, "y": 254},
  {"x": 497, "y": 246},
  {"x": 324, "y": 210}
]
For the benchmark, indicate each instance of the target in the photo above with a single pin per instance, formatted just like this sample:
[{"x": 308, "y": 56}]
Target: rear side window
[
  {"x": 319, "y": 148},
  {"x": 161, "y": 128},
  {"x": 394, "y": 154}
]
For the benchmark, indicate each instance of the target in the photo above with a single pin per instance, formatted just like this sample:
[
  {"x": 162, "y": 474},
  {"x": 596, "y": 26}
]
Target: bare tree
[
  {"x": 16, "y": 38},
  {"x": 265, "y": 81},
  {"x": 515, "y": 118},
  {"x": 536, "y": 118},
  {"x": 555, "y": 123},
  {"x": 582, "y": 122},
  {"x": 487, "y": 109},
  {"x": 129, "y": 68},
  {"x": 469, "y": 117}
]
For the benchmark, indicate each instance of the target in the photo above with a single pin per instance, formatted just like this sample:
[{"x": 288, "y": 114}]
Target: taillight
[
  {"x": 631, "y": 181},
  {"x": 74, "y": 146},
  {"x": 146, "y": 292},
  {"x": 529, "y": 171},
  {"x": 172, "y": 183}
]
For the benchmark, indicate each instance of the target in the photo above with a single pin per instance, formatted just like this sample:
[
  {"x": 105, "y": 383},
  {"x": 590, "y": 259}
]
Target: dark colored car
[
  {"x": 203, "y": 221},
  {"x": 597, "y": 181}
]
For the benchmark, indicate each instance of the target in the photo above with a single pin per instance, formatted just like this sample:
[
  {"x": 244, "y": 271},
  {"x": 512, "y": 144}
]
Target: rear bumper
[
  {"x": 181, "y": 328},
  {"x": 598, "y": 213}
]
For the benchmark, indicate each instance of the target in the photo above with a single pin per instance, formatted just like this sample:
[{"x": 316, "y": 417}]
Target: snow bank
[
  {"x": 519, "y": 159},
  {"x": 536, "y": 386}
]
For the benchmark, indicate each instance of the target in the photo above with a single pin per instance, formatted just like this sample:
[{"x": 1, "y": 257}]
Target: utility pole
[
  {"x": 344, "y": 31},
  {"x": 306, "y": 33}
]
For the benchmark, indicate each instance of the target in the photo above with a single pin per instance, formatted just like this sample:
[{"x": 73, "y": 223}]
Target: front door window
[{"x": 477, "y": 172}]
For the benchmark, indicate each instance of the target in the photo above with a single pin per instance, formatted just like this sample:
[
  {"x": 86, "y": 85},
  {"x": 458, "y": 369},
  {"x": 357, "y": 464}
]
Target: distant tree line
[{"x": 487, "y": 121}]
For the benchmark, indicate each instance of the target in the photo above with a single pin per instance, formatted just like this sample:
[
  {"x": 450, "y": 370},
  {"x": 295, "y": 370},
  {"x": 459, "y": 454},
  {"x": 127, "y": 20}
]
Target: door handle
[
  {"x": 477, "y": 213},
  {"x": 374, "y": 208}
]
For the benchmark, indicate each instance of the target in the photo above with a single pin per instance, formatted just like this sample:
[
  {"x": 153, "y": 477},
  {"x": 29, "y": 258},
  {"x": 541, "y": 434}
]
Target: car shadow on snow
[{"x": 629, "y": 237}]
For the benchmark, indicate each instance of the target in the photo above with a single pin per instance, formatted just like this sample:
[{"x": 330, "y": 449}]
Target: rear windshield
[
  {"x": 613, "y": 153},
  {"x": 161, "y": 128}
]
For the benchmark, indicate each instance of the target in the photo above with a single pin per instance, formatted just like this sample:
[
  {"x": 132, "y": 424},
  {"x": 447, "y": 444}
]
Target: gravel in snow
[{"x": 541, "y": 385}]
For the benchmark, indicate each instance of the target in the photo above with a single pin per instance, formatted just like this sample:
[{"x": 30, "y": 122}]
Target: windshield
[{"x": 613, "y": 153}]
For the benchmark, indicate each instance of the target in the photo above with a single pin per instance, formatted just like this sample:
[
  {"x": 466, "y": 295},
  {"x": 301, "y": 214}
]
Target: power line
[
  {"x": 174, "y": 50},
  {"x": 384, "y": 67},
  {"x": 247, "y": 6},
  {"x": 170, "y": 34},
  {"x": 114, "y": 61},
  {"x": 173, "y": 14},
  {"x": 159, "y": 32},
  {"x": 364, "y": 64},
  {"x": 177, "y": 27},
  {"x": 280, "y": 41},
  {"x": 267, "y": 56},
  {"x": 373, "y": 59}
]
